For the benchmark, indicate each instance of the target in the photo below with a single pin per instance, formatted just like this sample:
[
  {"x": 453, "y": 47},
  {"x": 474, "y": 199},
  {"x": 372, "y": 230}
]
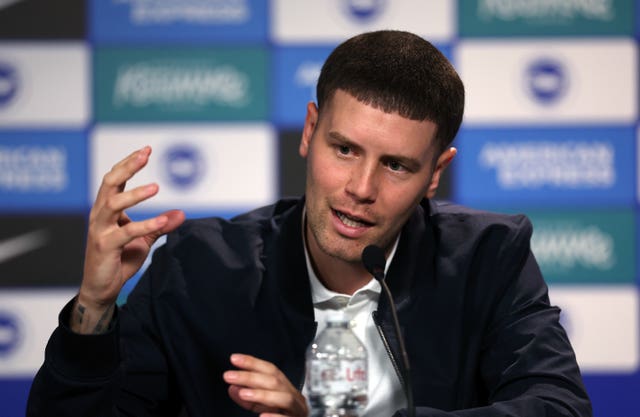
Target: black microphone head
[{"x": 374, "y": 261}]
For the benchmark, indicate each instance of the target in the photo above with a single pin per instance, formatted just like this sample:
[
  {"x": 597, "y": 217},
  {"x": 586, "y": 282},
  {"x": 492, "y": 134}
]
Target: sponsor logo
[
  {"x": 546, "y": 10},
  {"x": 602, "y": 324},
  {"x": 570, "y": 164},
  {"x": 585, "y": 246},
  {"x": 27, "y": 319},
  {"x": 329, "y": 22},
  {"x": 546, "y": 80},
  {"x": 188, "y": 171},
  {"x": 22, "y": 244},
  {"x": 537, "y": 18},
  {"x": 42, "y": 169},
  {"x": 568, "y": 246},
  {"x": 306, "y": 76},
  {"x": 10, "y": 333},
  {"x": 33, "y": 168},
  {"x": 7, "y": 3},
  {"x": 46, "y": 84},
  {"x": 540, "y": 83},
  {"x": 185, "y": 166},
  {"x": 201, "y": 12},
  {"x": 294, "y": 80},
  {"x": 8, "y": 83},
  {"x": 194, "y": 21},
  {"x": 364, "y": 10},
  {"x": 180, "y": 85},
  {"x": 41, "y": 250},
  {"x": 513, "y": 167}
]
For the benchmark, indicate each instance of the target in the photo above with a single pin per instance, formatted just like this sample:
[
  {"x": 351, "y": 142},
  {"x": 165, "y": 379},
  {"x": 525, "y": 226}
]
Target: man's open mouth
[{"x": 351, "y": 221}]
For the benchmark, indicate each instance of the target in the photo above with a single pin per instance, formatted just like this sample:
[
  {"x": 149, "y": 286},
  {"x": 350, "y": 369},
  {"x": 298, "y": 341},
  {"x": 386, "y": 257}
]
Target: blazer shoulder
[{"x": 469, "y": 223}]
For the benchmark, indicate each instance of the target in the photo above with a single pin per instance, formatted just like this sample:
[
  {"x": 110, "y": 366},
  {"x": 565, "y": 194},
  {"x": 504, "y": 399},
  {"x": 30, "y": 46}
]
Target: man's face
[{"x": 366, "y": 171}]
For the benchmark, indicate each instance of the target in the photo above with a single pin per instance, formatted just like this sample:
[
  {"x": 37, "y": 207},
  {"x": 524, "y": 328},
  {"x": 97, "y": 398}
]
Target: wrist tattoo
[
  {"x": 104, "y": 320},
  {"x": 82, "y": 316},
  {"x": 80, "y": 313}
]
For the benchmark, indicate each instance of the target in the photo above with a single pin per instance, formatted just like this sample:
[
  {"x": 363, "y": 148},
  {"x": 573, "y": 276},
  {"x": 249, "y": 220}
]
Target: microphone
[{"x": 374, "y": 261}]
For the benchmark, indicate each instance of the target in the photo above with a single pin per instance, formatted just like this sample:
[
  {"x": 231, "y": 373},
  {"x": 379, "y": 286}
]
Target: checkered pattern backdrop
[{"x": 219, "y": 89}]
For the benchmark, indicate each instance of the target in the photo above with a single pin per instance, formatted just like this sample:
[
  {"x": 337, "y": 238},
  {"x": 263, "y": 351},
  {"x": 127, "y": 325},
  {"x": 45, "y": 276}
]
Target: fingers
[
  {"x": 111, "y": 199},
  {"x": 265, "y": 401},
  {"x": 257, "y": 373},
  {"x": 109, "y": 226},
  {"x": 116, "y": 238},
  {"x": 251, "y": 363},
  {"x": 108, "y": 210},
  {"x": 174, "y": 219},
  {"x": 261, "y": 387},
  {"x": 117, "y": 246},
  {"x": 114, "y": 180},
  {"x": 150, "y": 229},
  {"x": 234, "y": 393}
]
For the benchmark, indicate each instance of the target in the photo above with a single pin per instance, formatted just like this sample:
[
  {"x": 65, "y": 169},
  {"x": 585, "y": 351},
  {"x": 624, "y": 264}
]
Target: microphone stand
[{"x": 374, "y": 261}]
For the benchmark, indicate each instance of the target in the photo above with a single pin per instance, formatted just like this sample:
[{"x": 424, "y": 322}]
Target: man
[{"x": 220, "y": 322}]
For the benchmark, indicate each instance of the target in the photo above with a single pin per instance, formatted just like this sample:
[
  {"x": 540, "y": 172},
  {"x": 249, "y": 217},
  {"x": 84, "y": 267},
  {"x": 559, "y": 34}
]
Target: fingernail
[
  {"x": 144, "y": 152},
  {"x": 230, "y": 376},
  {"x": 236, "y": 358}
]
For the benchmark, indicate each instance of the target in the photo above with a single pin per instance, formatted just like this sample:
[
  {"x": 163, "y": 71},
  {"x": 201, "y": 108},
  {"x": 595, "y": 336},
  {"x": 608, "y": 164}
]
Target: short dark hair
[{"x": 398, "y": 72}]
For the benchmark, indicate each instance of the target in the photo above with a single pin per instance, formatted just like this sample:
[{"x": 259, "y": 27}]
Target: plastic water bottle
[{"x": 337, "y": 380}]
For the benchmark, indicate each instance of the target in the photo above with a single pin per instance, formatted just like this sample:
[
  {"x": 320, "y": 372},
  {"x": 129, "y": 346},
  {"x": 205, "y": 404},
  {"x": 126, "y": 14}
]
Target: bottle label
[{"x": 334, "y": 377}]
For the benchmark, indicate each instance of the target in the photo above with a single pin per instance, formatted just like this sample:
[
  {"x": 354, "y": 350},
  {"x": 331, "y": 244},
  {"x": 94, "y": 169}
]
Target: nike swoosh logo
[
  {"x": 19, "y": 245},
  {"x": 7, "y": 3}
]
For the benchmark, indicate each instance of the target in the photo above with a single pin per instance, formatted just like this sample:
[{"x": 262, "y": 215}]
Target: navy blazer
[{"x": 480, "y": 333}]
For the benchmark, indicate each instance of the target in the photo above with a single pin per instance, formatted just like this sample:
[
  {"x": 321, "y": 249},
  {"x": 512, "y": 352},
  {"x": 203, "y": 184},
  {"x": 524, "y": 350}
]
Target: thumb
[{"x": 174, "y": 218}]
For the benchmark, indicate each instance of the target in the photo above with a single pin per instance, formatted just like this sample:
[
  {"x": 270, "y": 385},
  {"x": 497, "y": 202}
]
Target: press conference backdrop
[{"x": 219, "y": 88}]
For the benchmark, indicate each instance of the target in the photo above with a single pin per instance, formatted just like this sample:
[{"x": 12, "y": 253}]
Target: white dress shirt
[{"x": 385, "y": 390}]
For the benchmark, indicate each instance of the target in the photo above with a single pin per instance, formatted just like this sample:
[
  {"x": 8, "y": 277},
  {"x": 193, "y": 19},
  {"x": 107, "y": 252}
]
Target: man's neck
[{"x": 337, "y": 275}]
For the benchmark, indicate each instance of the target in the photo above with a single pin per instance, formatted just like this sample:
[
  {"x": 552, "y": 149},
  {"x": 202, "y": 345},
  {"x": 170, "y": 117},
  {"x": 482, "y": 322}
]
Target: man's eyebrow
[
  {"x": 339, "y": 136},
  {"x": 411, "y": 163}
]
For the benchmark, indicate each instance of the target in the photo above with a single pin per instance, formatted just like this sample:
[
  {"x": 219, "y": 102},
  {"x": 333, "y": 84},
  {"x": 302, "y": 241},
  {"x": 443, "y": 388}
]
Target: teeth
[{"x": 349, "y": 221}]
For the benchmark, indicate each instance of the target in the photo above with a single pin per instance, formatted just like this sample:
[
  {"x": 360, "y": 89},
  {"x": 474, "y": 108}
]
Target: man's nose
[{"x": 363, "y": 183}]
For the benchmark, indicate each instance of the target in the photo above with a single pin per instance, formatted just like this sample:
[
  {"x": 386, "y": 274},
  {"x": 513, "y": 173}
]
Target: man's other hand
[{"x": 261, "y": 387}]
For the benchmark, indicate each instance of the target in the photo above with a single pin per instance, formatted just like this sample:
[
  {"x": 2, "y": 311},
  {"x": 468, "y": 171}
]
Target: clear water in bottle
[{"x": 337, "y": 380}]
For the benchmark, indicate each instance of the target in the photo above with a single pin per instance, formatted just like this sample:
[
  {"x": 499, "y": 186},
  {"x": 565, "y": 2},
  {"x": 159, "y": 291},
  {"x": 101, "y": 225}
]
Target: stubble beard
[
  {"x": 336, "y": 247},
  {"x": 339, "y": 247}
]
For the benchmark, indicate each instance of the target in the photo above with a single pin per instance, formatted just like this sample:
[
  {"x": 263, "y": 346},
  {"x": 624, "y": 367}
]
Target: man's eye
[
  {"x": 344, "y": 150},
  {"x": 395, "y": 166}
]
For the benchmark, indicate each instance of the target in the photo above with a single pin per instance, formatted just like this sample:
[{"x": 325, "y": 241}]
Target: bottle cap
[{"x": 337, "y": 316}]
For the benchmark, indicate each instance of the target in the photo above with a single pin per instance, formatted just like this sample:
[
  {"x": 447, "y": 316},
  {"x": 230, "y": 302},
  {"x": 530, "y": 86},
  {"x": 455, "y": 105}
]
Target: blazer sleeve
[{"x": 122, "y": 372}]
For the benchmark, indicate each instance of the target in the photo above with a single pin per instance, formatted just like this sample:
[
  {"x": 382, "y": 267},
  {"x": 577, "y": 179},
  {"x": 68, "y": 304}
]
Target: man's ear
[
  {"x": 443, "y": 162},
  {"x": 310, "y": 123}
]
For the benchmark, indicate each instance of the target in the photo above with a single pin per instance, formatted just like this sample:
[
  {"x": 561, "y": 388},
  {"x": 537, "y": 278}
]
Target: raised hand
[
  {"x": 116, "y": 246},
  {"x": 261, "y": 387}
]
